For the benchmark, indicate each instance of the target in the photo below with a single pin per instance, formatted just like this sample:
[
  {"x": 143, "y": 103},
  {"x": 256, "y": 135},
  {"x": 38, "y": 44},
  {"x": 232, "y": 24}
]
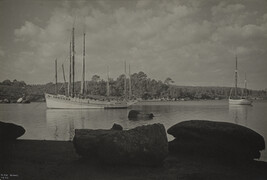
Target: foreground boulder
[
  {"x": 216, "y": 139},
  {"x": 138, "y": 115},
  {"x": 10, "y": 132},
  {"x": 143, "y": 145},
  {"x": 87, "y": 141}
]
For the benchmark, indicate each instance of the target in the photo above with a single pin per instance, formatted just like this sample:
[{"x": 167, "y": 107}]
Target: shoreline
[
  {"x": 43, "y": 159},
  {"x": 148, "y": 100}
]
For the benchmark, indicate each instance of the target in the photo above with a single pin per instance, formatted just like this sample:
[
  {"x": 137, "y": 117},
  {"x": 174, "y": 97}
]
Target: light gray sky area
[{"x": 192, "y": 41}]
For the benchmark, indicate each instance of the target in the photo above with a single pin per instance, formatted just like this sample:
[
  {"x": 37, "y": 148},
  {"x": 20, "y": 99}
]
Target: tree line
[{"x": 141, "y": 87}]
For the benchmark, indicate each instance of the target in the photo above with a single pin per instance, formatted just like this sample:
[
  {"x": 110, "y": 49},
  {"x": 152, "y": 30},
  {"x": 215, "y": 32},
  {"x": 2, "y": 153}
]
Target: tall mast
[
  {"x": 83, "y": 73},
  {"x": 246, "y": 91},
  {"x": 125, "y": 85},
  {"x": 235, "y": 76},
  {"x": 69, "y": 88},
  {"x": 56, "y": 75},
  {"x": 108, "y": 90},
  {"x": 73, "y": 62},
  {"x": 130, "y": 83},
  {"x": 245, "y": 80},
  {"x": 64, "y": 78}
]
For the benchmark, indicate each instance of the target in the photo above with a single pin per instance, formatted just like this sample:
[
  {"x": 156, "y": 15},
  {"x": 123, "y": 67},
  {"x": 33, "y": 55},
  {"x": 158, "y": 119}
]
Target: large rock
[
  {"x": 138, "y": 115},
  {"x": 144, "y": 145},
  {"x": 216, "y": 139},
  {"x": 87, "y": 141},
  {"x": 10, "y": 132}
]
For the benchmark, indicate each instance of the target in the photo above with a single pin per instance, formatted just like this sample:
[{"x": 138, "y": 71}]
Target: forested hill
[{"x": 142, "y": 87}]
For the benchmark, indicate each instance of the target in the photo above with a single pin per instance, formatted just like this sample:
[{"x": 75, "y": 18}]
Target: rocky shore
[{"x": 33, "y": 159}]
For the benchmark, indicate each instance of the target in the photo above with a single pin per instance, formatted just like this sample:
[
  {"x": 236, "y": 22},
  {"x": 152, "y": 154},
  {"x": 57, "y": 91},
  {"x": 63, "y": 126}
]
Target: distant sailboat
[
  {"x": 237, "y": 100},
  {"x": 71, "y": 101},
  {"x": 127, "y": 101}
]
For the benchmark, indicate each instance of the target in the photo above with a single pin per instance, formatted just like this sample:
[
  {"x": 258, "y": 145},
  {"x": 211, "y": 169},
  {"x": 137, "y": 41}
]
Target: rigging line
[
  {"x": 74, "y": 21},
  {"x": 84, "y": 24},
  {"x": 66, "y": 58},
  {"x": 61, "y": 86}
]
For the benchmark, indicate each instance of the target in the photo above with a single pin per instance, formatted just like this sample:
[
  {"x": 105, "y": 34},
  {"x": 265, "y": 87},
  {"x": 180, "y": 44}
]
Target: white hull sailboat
[
  {"x": 64, "y": 102},
  {"x": 236, "y": 100},
  {"x": 70, "y": 101},
  {"x": 240, "y": 101}
]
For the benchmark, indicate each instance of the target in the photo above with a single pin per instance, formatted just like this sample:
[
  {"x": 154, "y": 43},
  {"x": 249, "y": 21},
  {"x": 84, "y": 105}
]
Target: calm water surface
[{"x": 53, "y": 124}]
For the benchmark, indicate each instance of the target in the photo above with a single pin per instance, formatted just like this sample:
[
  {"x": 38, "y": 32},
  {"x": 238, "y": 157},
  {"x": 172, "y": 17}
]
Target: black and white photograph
[{"x": 133, "y": 89}]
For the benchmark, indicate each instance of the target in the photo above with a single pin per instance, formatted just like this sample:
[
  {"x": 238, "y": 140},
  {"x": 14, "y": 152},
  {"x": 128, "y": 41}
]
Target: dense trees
[
  {"x": 168, "y": 81},
  {"x": 12, "y": 90},
  {"x": 95, "y": 78},
  {"x": 146, "y": 88},
  {"x": 7, "y": 82},
  {"x": 142, "y": 87}
]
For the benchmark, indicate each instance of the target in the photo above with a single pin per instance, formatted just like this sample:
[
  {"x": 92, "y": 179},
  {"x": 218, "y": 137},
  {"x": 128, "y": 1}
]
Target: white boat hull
[
  {"x": 63, "y": 102},
  {"x": 240, "y": 102},
  {"x": 120, "y": 104}
]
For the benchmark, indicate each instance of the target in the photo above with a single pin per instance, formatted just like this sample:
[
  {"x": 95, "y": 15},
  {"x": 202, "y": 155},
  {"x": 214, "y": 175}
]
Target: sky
[{"x": 194, "y": 42}]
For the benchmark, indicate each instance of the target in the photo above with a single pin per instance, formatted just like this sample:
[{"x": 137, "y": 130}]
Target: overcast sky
[{"x": 192, "y": 41}]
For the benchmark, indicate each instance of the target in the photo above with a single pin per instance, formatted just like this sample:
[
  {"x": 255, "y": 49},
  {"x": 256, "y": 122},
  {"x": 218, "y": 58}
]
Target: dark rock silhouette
[
  {"x": 215, "y": 139},
  {"x": 116, "y": 127},
  {"x": 87, "y": 141},
  {"x": 138, "y": 115},
  {"x": 10, "y": 132},
  {"x": 143, "y": 145}
]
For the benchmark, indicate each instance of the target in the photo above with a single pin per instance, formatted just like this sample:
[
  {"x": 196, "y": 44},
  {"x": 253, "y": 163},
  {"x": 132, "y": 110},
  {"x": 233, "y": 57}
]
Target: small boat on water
[
  {"x": 239, "y": 100},
  {"x": 79, "y": 101},
  {"x": 19, "y": 100}
]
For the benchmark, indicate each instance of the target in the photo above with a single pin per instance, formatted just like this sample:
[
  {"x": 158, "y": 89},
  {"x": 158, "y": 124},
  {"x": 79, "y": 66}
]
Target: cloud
[
  {"x": 143, "y": 3},
  {"x": 2, "y": 52},
  {"x": 27, "y": 30},
  {"x": 185, "y": 38},
  {"x": 223, "y": 8},
  {"x": 252, "y": 31}
]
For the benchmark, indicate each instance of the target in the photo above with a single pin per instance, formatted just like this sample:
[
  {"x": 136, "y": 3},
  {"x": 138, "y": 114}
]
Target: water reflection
[
  {"x": 239, "y": 114},
  {"x": 55, "y": 124},
  {"x": 61, "y": 123}
]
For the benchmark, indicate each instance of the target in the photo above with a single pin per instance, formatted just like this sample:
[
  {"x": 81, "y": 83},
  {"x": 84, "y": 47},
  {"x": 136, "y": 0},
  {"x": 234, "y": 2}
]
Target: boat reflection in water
[
  {"x": 61, "y": 123},
  {"x": 240, "y": 114}
]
